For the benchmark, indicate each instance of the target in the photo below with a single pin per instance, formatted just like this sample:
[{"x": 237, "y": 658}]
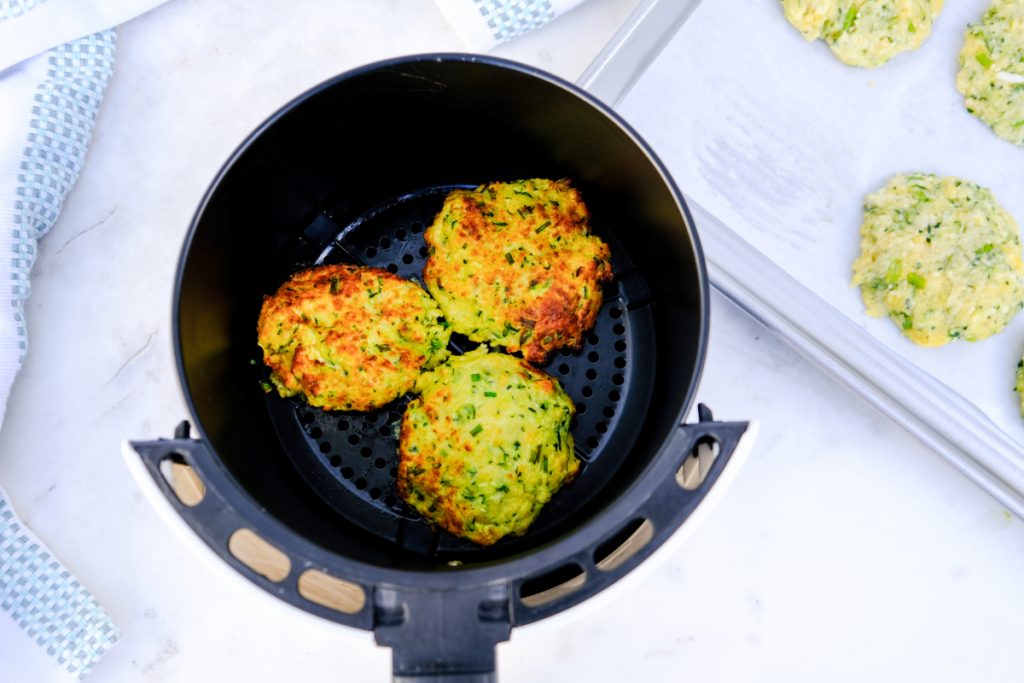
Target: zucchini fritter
[
  {"x": 485, "y": 446},
  {"x": 941, "y": 258},
  {"x": 866, "y": 33},
  {"x": 515, "y": 265},
  {"x": 991, "y": 76},
  {"x": 349, "y": 337}
]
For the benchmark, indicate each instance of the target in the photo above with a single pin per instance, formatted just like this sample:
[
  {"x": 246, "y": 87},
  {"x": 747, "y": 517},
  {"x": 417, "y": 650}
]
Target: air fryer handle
[{"x": 442, "y": 636}]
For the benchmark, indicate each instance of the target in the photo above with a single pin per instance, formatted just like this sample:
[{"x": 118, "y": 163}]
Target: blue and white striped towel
[
  {"x": 50, "y": 622},
  {"x": 483, "y": 24},
  {"x": 56, "y": 57}
]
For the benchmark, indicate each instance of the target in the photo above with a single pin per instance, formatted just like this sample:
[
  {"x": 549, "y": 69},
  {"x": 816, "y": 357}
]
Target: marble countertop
[{"x": 844, "y": 550}]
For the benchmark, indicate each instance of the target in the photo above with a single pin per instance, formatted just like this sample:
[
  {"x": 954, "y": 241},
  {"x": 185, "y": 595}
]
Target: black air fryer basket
[{"x": 302, "y": 501}]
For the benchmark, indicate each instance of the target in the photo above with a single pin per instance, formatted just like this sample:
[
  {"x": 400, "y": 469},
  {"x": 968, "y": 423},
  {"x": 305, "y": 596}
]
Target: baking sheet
[{"x": 780, "y": 141}]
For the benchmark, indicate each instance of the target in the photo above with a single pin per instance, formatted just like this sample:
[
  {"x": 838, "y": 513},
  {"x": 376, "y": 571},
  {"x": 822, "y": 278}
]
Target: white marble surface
[{"x": 843, "y": 552}]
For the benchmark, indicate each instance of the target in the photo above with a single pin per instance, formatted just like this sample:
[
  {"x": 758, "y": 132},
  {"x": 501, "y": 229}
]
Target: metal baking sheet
[{"x": 774, "y": 142}]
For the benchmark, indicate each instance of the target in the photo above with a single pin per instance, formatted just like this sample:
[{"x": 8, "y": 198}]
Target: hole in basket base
[
  {"x": 553, "y": 585},
  {"x": 623, "y": 545},
  {"x": 694, "y": 470}
]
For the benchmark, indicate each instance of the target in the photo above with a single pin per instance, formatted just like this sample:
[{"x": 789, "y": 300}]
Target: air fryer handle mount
[{"x": 442, "y": 636}]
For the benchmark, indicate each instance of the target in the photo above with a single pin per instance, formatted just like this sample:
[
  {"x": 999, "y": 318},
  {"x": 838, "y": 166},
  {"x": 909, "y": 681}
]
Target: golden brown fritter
[
  {"x": 349, "y": 337},
  {"x": 515, "y": 265},
  {"x": 485, "y": 445}
]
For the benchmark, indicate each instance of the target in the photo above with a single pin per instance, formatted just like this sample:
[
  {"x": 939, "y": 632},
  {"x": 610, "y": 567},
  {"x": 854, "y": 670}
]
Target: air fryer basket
[
  {"x": 609, "y": 380},
  {"x": 353, "y": 171}
]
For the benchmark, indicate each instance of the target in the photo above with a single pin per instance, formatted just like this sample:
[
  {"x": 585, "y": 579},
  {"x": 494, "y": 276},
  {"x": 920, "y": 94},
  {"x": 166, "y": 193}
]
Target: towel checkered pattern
[
  {"x": 47, "y": 602},
  {"x": 54, "y": 68},
  {"x": 482, "y": 24}
]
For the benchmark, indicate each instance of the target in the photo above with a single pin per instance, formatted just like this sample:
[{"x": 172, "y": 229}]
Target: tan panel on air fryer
[
  {"x": 187, "y": 485},
  {"x": 258, "y": 555},
  {"x": 331, "y": 592},
  {"x": 556, "y": 592},
  {"x": 637, "y": 540},
  {"x": 696, "y": 466}
]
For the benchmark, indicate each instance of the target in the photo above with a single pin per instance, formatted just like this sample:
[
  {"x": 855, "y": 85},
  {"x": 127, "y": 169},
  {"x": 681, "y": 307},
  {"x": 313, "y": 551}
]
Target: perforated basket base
[{"x": 351, "y": 458}]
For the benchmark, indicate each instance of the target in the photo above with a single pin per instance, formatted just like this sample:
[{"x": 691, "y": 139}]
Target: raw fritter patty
[
  {"x": 485, "y": 446},
  {"x": 864, "y": 33},
  {"x": 348, "y": 337},
  {"x": 941, "y": 258},
  {"x": 991, "y": 77},
  {"x": 515, "y": 265}
]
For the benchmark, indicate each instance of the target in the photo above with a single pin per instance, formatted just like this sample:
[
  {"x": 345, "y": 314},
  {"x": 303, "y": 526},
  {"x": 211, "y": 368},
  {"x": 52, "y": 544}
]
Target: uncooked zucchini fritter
[
  {"x": 991, "y": 77},
  {"x": 866, "y": 33},
  {"x": 485, "y": 445},
  {"x": 515, "y": 265},
  {"x": 941, "y": 258},
  {"x": 349, "y": 337}
]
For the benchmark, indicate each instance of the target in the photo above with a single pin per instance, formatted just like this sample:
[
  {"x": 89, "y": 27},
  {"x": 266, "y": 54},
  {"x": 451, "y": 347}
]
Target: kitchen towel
[
  {"x": 482, "y": 24},
  {"x": 56, "y": 57},
  {"x": 44, "y": 606},
  {"x": 47, "y": 108},
  {"x": 30, "y": 27}
]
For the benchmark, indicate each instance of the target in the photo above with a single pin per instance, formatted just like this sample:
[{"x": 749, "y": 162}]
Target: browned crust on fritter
[
  {"x": 349, "y": 337},
  {"x": 515, "y": 265}
]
